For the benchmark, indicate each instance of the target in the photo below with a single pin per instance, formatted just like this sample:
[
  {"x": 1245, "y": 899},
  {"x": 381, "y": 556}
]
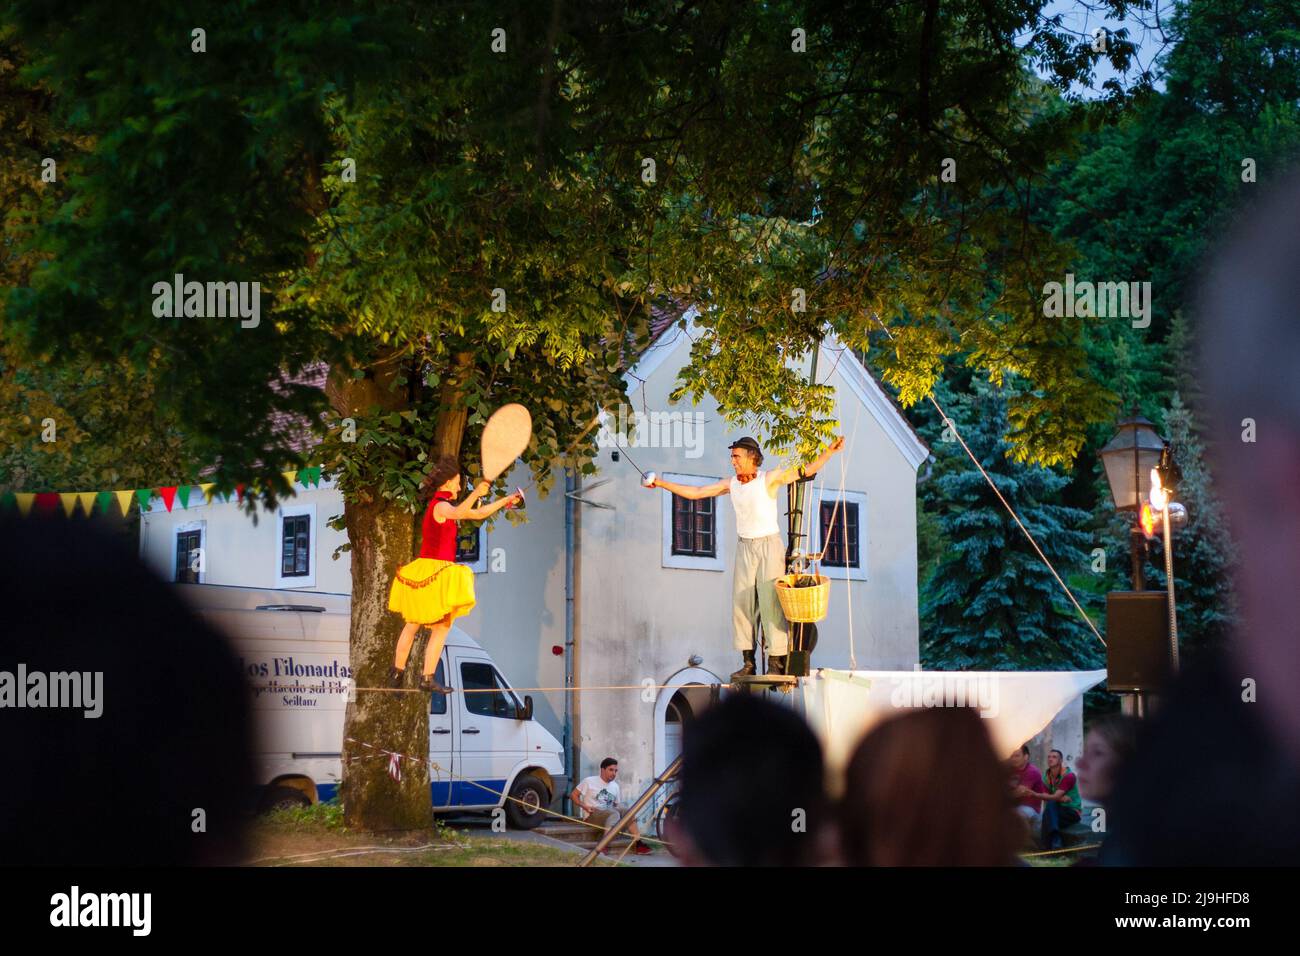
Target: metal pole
[
  {"x": 632, "y": 811},
  {"x": 1135, "y": 543},
  {"x": 1169, "y": 586},
  {"x": 570, "y": 755},
  {"x": 1134, "y": 703}
]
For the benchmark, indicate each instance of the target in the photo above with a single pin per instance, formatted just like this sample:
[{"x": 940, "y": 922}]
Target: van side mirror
[{"x": 525, "y": 712}]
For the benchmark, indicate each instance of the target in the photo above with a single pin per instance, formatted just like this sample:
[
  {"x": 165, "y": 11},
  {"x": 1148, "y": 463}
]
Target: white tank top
[{"x": 755, "y": 508}]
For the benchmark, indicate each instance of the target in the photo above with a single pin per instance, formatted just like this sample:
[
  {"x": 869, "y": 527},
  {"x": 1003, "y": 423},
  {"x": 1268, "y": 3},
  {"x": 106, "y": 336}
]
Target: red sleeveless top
[{"x": 438, "y": 541}]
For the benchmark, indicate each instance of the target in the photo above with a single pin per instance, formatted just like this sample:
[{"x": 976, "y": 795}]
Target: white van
[{"x": 293, "y": 647}]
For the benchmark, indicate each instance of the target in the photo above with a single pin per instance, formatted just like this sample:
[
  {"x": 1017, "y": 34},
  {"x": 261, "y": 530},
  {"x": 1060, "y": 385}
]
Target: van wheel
[
  {"x": 533, "y": 798},
  {"x": 284, "y": 798}
]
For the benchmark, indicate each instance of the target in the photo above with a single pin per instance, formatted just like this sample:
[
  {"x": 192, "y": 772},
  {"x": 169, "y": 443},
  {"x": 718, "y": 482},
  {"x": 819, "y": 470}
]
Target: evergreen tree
[{"x": 992, "y": 603}]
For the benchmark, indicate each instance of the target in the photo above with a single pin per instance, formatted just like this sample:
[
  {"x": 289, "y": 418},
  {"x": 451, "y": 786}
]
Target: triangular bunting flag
[
  {"x": 143, "y": 495},
  {"x": 87, "y": 499},
  {"x": 105, "y": 501},
  {"x": 124, "y": 501},
  {"x": 25, "y": 500},
  {"x": 290, "y": 476},
  {"x": 168, "y": 493},
  {"x": 183, "y": 493},
  {"x": 7, "y": 500},
  {"x": 239, "y": 490},
  {"x": 47, "y": 501},
  {"x": 207, "y": 491},
  {"x": 69, "y": 500},
  {"x": 311, "y": 476}
]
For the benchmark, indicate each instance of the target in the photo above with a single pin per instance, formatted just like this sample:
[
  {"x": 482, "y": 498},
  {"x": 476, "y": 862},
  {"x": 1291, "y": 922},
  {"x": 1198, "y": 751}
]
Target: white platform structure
[{"x": 843, "y": 705}]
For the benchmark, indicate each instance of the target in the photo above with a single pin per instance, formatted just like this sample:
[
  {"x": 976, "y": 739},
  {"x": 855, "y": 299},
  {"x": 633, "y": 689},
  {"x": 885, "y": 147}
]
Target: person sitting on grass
[
  {"x": 1062, "y": 805},
  {"x": 597, "y": 796},
  {"x": 1027, "y": 788}
]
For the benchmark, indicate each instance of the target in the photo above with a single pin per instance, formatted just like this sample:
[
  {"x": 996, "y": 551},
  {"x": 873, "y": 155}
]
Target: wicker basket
[{"x": 804, "y": 605}]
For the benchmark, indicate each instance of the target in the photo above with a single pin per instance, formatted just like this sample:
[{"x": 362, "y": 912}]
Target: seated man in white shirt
[{"x": 597, "y": 798}]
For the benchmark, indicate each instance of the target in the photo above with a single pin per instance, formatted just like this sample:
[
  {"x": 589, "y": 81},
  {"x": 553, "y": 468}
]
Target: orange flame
[{"x": 1148, "y": 521}]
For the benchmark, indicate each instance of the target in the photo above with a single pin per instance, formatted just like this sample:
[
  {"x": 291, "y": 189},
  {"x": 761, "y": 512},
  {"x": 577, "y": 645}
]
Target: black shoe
[
  {"x": 776, "y": 665},
  {"x": 431, "y": 686},
  {"x": 395, "y": 675},
  {"x": 746, "y": 667}
]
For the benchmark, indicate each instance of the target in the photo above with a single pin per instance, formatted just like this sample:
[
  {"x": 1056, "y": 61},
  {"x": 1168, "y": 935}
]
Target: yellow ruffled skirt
[{"x": 427, "y": 591}]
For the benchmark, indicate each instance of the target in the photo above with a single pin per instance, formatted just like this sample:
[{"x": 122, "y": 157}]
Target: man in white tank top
[{"x": 760, "y": 550}]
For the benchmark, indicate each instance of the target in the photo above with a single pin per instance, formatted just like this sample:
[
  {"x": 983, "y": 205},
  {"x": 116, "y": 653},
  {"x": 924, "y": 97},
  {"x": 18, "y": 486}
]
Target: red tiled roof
[{"x": 293, "y": 428}]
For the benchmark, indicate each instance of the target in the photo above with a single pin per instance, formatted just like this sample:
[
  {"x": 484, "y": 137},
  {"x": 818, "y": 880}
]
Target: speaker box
[
  {"x": 1137, "y": 641},
  {"x": 803, "y": 638}
]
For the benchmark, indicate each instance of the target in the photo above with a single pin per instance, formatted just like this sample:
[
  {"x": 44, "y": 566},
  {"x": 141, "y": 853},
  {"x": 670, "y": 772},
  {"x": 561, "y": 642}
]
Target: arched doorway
[
  {"x": 680, "y": 700},
  {"x": 676, "y": 715}
]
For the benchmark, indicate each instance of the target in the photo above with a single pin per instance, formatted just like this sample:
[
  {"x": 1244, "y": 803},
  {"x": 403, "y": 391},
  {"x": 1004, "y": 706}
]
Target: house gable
[{"x": 858, "y": 378}]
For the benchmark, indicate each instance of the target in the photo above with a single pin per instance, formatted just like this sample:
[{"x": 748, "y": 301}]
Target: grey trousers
[{"x": 759, "y": 562}]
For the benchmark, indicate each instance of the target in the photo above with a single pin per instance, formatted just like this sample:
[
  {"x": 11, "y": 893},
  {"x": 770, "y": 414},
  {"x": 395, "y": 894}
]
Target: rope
[
  {"x": 1071, "y": 849},
  {"x": 317, "y": 855},
  {"x": 848, "y": 577},
  {"x": 538, "y": 690},
  {"x": 1011, "y": 511}
]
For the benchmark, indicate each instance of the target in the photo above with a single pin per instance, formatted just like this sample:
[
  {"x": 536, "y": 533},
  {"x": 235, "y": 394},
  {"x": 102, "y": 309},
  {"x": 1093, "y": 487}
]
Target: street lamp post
[{"x": 1128, "y": 458}]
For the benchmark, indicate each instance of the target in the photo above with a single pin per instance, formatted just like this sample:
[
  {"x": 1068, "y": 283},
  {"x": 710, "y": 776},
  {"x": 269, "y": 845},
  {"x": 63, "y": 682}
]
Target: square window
[
  {"x": 467, "y": 544},
  {"x": 295, "y": 551},
  {"x": 841, "y": 539},
  {"x": 694, "y": 530},
  {"x": 187, "y": 543}
]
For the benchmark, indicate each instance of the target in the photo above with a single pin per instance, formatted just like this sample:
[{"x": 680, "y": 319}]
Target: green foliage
[
  {"x": 992, "y": 603},
  {"x": 1143, "y": 200},
  {"x": 478, "y": 170},
  {"x": 327, "y": 814}
]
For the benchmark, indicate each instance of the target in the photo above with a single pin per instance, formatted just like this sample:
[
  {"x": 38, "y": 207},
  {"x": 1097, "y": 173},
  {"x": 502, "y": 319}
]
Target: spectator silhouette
[
  {"x": 172, "y": 736},
  {"x": 926, "y": 789},
  {"x": 752, "y": 788}
]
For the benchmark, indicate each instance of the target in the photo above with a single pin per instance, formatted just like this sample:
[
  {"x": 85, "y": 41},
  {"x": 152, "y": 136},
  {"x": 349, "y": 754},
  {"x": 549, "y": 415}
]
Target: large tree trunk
[{"x": 382, "y": 537}]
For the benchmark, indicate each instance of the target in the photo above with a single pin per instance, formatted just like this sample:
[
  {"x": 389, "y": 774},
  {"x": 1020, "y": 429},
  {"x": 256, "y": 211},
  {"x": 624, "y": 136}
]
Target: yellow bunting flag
[
  {"x": 124, "y": 500},
  {"x": 25, "y": 499},
  {"x": 87, "y": 499},
  {"x": 207, "y": 491},
  {"x": 69, "y": 501},
  {"x": 290, "y": 476}
]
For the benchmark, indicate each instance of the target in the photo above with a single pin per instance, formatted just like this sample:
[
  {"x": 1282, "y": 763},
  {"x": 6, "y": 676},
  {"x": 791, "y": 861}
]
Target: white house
[{"x": 639, "y": 590}]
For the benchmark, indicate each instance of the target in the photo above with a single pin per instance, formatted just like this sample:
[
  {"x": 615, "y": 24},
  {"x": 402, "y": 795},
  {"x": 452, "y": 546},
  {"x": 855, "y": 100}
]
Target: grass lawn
[{"x": 315, "y": 836}]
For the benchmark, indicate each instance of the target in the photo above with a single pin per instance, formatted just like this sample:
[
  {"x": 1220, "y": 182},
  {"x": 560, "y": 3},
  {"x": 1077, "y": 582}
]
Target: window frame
[
  {"x": 835, "y": 572},
  {"x": 290, "y": 581},
  {"x": 692, "y": 506},
  {"x": 684, "y": 561},
  {"x": 481, "y": 565},
  {"x": 185, "y": 528}
]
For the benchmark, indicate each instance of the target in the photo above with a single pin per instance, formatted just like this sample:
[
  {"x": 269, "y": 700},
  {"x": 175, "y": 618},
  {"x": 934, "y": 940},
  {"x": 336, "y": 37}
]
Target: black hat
[{"x": 748, "y": 444}]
